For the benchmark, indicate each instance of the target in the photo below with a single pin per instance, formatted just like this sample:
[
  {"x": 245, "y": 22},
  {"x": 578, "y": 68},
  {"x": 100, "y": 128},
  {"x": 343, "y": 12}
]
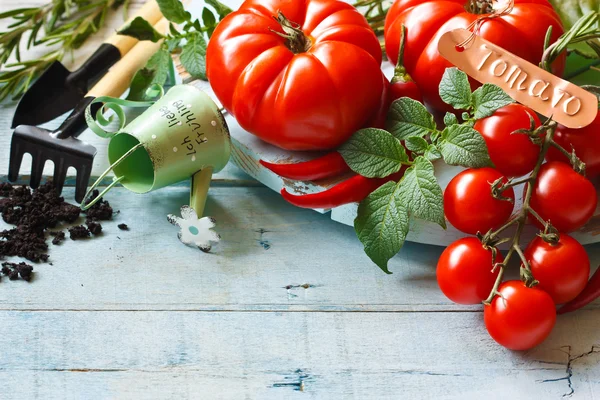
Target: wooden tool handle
[
  {"x": 119, "y": 77},
  {"x": 150, "y": 12}
]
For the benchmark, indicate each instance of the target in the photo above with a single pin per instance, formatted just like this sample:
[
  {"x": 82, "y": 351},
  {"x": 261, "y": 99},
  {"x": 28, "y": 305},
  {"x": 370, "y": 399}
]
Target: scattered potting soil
[
  {"x": 79, "y": 232},
  {"x": 13, "y": 271},
  {"x": 123, "y": 227},
  {"x": 35, "y": 213}
]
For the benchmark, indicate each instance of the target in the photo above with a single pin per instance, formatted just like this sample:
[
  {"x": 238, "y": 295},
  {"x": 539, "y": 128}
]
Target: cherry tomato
[
  {"x": 309, "y": 91},
  {"x": 469, "y": 205},
  {"x": 585, "y": 141},
  {"x": 520, "y": 31},
  {"x": 519, "y": 318},
  {"x": 464, "y": 271},
  {"x": 512, "y": 154},
  {"x": 563, "y": 196},
  {"x": 562, "y": 269}
]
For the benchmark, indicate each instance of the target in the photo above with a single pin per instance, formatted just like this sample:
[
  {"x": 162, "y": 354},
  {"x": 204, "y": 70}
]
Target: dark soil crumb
[
  {"x": 58, "y": 237},
  {"x": 35, "y": 213},
  {"x": 94, "y": 227},
  {"x": 123, "y": 227},
  {"x": 13, "y": 271},
  {"x": 101, "y": 210},
  {"x": 79, "y": 232}
]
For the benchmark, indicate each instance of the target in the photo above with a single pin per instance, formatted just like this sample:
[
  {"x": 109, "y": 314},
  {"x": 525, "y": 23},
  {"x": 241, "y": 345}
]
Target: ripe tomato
[
  {"x": 310, "y": 93},
  {"x": 401, "y": 89},
  {"x": 469, "y": 205},
  {"x": 464, "y": 271},
  {"x": 521, "y": 32},
  {"x": 512, "y": 154},
  {"x": 585, "y": 141},
  {"x": 562, "y": 270},
  {"x": 563, "y": 196},
  {"x": 520, "y": 317}
]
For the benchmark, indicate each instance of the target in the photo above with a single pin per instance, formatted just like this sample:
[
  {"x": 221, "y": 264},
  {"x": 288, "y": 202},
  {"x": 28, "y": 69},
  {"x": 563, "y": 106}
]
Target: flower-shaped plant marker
[{"x": 195, "y": 231}]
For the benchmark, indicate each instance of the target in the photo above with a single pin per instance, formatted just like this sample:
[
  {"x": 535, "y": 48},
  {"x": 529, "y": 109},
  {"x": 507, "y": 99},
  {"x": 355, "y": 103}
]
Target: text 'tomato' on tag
[{"x": 549, "y": 95}]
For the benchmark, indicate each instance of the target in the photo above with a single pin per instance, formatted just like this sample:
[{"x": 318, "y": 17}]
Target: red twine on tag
[{"x": 475, "y": 26}]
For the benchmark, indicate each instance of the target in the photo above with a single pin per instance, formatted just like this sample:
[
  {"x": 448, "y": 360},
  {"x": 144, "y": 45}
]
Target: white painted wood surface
[{"x": 287, "y": 306}]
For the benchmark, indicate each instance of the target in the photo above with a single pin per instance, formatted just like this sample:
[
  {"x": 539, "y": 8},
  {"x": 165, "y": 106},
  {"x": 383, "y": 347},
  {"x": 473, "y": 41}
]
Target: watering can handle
[
  {"x": 199, "y": 190},
  {"x": 150, "y": 12}
]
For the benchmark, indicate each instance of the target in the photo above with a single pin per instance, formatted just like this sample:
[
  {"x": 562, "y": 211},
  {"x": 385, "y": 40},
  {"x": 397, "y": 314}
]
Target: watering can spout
[{"x": 199, "y": 190}]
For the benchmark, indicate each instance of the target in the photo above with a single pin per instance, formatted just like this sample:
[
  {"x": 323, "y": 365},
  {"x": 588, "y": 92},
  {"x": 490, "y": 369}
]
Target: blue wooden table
[{"x": 287, "y": 306}]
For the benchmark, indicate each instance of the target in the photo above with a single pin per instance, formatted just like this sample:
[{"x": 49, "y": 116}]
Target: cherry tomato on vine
[
  {"x": 563, "y": 196},
  {"x": 469, "y": 205},
  {"x": 299, "y": 74},
  {"x": 519, "y": 318},
  {"x": 521, "y": 31},
  {"x": 464, "y": 271},
  {"x": 586, "y": 143},
  {"x": 513, "y": 154},
  {"x": 401, "y": 89},
  {"x": 562, "y": 269}
]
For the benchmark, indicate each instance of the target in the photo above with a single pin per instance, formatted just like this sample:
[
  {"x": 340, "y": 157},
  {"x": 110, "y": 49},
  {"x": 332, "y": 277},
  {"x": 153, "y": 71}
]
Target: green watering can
[{"x": 181, "y": 135}]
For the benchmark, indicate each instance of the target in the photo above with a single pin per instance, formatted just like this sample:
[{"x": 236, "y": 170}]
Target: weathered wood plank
[
  {"x": 269, "y": 250},
  {"x": 185, "y": 355}
]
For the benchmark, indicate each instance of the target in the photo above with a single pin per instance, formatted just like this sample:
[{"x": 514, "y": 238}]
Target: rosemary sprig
[{"x": 62, "y": 24}]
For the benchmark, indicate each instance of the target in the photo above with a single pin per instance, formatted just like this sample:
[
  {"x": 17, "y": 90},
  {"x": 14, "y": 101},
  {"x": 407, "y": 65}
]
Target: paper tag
[{"x": 566, "y": 103}]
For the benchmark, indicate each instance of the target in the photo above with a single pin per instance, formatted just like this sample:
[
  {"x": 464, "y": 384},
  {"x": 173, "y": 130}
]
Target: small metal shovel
[
  {"x": 62, "y": 146},
  {"x": 59, "y": 90}
]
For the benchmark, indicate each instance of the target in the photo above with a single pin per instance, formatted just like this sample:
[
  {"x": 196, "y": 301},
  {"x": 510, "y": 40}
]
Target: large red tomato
[
  {"x": 521, "y": 32},
  {"x": 307, "y": 93}
]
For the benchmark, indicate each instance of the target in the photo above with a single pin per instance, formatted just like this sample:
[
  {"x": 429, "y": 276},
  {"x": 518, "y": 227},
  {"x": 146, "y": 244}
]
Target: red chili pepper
[
  {"x": 402, "y": 84},
  {"x": 351, "y": 190},
  {"x": 590, "y": 293},
  {"x": 331, "y": 164}
]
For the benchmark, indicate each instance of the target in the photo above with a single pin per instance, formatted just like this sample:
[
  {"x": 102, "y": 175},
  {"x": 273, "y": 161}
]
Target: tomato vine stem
[{"x": 550, "y": 128}]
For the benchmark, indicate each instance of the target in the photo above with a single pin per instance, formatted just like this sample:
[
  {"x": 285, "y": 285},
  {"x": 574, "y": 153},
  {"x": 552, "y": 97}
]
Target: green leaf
[
  {"x": 381, "y": 224},
  {"x": 193, "y": 56},
  {"x": 450, "y": 119},
  {"x": 221, "y": 9},
  {"x": 408, "y": 117},
  {"x": 416, "y": 144},
  {"x": 571, "y": 10},
  {"x": 208, "y": 18},
  {"x": 489, "y": 98},
  {"x": 455, "y": 89},
  {"x": 141, "y": 29},
  {"x": 432, "y": 153},
  {"x": 373, "y": 153},
  {"x": 462, "y": 145},
  {"x": 156, "y": 71},
  {"x": 173, "y": 11},
  {"x": 421, "y": 192}
]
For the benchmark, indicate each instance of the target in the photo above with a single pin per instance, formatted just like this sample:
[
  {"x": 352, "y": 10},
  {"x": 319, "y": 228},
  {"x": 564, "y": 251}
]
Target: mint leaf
[
  {"x": 173, "y": 11},
  {"x": 381, "y": 224},
  {"x": 416, "y": 144},
  {"x": 455, "y": 89},
  {"x": 140, "y": 29},
  {"x": 156, "y": 71},
  {"x": 373, "y": 153},
  {"x": 450, "y": 119},
  {"x": 488, "y": 98},
  {"x": 432, "y": 153},
  {"x": 462, "y": 145},
  {"x": 408, "y": 117},
  {"x": 221, "y": 9},
  {"x": 421, "y": 192},
  {"x": 193, "y": 56}
]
